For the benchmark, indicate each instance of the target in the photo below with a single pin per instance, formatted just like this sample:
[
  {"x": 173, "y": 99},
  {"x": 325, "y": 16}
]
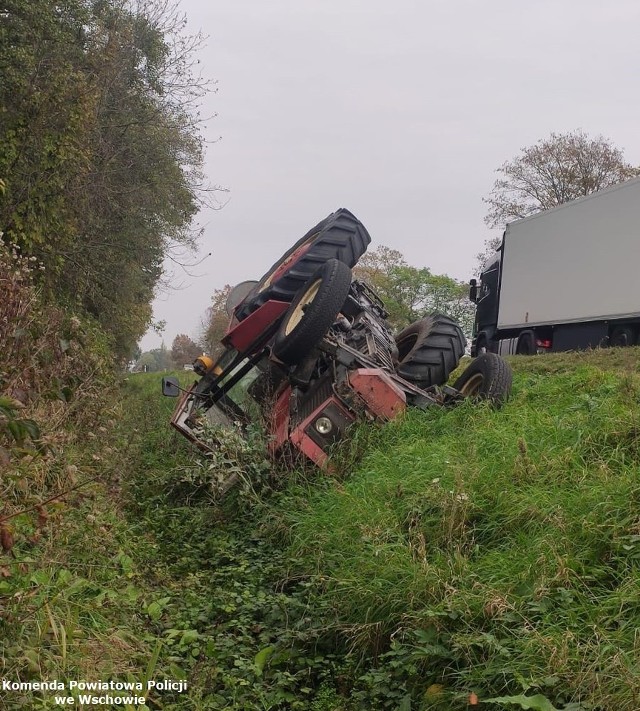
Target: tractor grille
[{"x": 381, "y": 347}]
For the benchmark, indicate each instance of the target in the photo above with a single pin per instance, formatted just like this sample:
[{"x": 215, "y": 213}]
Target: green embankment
[
  {"x": 498, "y": 551},
  {"x": 467, "y": 553}
]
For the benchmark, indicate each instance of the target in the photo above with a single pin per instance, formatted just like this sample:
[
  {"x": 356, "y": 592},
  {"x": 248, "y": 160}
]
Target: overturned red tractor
[{"x": 309, "y": 351}]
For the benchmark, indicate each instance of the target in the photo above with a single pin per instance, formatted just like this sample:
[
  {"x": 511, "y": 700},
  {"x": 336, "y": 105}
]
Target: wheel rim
[
  {"x": 277, "y": 273},
  {"x": 473, "y": 385},
  {"x": 299, "y": 310}
]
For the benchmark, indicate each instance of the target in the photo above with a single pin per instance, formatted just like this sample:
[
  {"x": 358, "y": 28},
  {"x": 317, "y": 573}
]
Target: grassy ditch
[
  {"x": 74, "y": 584},
  {"x": 492, "y": 554},
  {"x": 137, "y": 575},
  {"x": 456, "y": 557}
]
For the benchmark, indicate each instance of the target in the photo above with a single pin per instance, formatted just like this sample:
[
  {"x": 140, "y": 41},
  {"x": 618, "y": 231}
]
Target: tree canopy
[
  {"x": 156, "y": 360},
  {"x": 101, "y": 152},
  {"x": 411, "y": 292},
  {"x": 215, "y": 321},
  {"x": 562, "y": 167},
  {"x": 184, "y": 350}
]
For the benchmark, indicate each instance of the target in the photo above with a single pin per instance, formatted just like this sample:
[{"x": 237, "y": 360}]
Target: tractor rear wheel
[
  {"x": 339, "y": 236},
  {"x": 429, "y": 350}
]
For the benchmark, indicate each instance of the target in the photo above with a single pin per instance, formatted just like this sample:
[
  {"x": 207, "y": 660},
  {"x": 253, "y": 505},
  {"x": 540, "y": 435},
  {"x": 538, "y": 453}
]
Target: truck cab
[{"x": 485, "y": 296}]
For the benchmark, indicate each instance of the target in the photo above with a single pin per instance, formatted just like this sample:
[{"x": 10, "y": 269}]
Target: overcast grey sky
[{"x": 399, "y": 111}]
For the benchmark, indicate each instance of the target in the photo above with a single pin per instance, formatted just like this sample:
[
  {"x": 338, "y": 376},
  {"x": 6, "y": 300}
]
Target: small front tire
[{"x": 488, "y": 377}]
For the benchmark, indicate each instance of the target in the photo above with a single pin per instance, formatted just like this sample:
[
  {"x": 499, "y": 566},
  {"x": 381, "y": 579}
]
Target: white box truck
[{"x": 564, "y": 279}]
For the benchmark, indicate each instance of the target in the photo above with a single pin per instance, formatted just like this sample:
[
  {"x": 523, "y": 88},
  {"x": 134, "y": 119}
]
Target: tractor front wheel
[{"x": 312, "y": 312}]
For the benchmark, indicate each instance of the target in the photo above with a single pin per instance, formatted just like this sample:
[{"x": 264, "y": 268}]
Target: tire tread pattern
[
  {"x": 341, "y": 236},
  {"x": 439, "y": 346}
]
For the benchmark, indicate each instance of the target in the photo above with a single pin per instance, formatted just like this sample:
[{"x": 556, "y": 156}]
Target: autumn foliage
[{"x": 101, "y": 153}]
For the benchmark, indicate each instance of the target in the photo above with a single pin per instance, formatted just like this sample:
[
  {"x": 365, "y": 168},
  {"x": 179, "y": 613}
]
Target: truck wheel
[
  {"x": 487, "y": 378},
  {"x": 312, "y": 312},
  {"x": 429, "y": 350},
  {"x": 339, "y": 236},
  {"x": 622, "y": 336},
  {"x": 526, "y": 344}
]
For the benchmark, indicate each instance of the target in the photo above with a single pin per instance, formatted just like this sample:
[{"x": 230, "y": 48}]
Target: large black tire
[
  {"x": 312, "y": 312},
  {"x": 339, "y": 236},
  {"x": 487, "y": 378},
  {"x": 622, "y": 336},
  {"x": 429, "y": 350},
  {"x": 526, "y": 344}
]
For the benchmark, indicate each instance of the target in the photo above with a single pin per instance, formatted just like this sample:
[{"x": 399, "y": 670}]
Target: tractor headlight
[{"x": 323, "y": 425}]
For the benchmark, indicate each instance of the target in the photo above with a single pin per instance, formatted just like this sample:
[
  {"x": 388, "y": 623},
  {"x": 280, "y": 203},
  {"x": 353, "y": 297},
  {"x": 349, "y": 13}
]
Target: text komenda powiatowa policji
[{"x": 81, "y": 693}]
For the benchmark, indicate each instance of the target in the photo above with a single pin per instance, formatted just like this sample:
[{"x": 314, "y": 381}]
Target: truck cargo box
[{"x": 576, "y": 262}]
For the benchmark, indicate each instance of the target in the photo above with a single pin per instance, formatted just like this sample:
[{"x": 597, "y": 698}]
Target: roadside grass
[
  {"x": 451, "y": 554},
  {"x": 71, "y": 595},
  {"x": 230, "y": 618},
  {"x": 493, "y": 552},
  {"x": 138, "y": 576}
]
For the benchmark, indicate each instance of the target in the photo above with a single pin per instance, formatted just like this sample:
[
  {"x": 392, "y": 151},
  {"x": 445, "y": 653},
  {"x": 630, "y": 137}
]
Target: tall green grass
[
  {"x": 510, "y": 538},
  {"x": 454, "y": 552}
]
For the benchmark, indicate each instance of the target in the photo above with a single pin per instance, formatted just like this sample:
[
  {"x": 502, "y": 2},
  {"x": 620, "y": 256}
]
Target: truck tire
[
  {"x": 312, "y": 312},
  {"x": 622, "y": 336},
  {"x": 429, "y": 350},
  {"x": 526, "y": 344},
  {"x": 339, "y": 236},
  {"x": 487, "y": 378}
]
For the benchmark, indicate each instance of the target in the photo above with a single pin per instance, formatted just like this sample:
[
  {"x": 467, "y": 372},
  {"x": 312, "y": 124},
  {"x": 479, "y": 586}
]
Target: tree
[
  {"x": 102, "y": 153},
  {"x": 374, "y": 267},
  {"x": 148, "y": 362},
  {"x": 488, "y": 252},
  {"x": 155, "y": 360},
  {"x": 184, "y": 350},
  {"x": 215, "y": 321},
  {"x": 557, "y": 169},
  {"x": 409, "y": 292}
]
